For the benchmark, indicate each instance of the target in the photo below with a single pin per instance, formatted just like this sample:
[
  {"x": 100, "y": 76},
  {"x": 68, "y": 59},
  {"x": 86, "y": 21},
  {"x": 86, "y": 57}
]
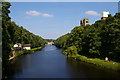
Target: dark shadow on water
[
  {"x": 50, "y": 63},
  {"x": 90, "y": 71}
]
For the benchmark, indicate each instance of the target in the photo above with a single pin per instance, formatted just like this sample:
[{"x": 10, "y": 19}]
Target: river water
[{"x": 50, "y": 63}]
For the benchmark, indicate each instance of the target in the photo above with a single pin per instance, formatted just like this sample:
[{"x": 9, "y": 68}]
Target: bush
[
  {"x": 18, "y": 53},
  {"x": 35, "y": 49},
  {"x": 70, "y": 51},
  {"x": 28, "y": 51},
  {"x": 98, "y": 62}
]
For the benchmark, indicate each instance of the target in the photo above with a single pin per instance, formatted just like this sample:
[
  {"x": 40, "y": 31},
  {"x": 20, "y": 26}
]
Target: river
[{"x": 50, "y": 63}]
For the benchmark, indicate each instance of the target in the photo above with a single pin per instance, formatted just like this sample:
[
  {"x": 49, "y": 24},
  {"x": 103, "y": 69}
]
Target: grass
[
  {"x": 98, "y": 62},
  {"x": 28, "y": 51},
  {"x": 18, "y": 53},
  {"x": 34, "y": 49}
]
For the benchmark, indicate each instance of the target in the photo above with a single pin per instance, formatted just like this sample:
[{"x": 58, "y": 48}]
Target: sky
[
  {"x": 51, "y": 20},
  {"x": 63, "y": 0}
]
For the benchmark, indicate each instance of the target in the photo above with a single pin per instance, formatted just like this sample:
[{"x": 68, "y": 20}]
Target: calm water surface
[{"x": 50, "y": 63}]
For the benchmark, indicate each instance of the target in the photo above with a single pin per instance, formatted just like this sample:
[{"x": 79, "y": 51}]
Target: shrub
[{"x": 70, "y": 51}]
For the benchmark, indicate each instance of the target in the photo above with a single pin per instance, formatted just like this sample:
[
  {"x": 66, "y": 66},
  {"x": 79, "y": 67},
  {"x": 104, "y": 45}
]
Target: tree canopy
[
  {"x": 12, "y": 33},
  {"x": 99, "y": 40}
]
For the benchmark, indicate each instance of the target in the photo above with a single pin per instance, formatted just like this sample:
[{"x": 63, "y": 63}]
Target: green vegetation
[
  {"x": 12, "y": 34},
  {"x": 18, "y": 53},
  {"x": 0, "y": 34},
  {"x": 32, "y": 50},
  {"x": 98, "y": 62},
  {"x": 61, "y": 41},
  {"x": 70, "y": 51},
  {"x": 99, "y": 40},
  {"x": 49, "y": 40}
]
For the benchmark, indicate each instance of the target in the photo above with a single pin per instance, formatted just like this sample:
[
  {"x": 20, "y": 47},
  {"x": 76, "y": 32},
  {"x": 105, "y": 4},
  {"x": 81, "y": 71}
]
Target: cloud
[
  {"x": 36, "y": 13},
  {"x": 47, "y": 15},
  {"x": 33, "y": 13},
  {"x": 94, "y": 13}
]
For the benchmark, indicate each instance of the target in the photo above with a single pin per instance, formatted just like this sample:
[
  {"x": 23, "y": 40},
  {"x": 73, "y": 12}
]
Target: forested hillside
[
  {"x": 12, "y": 33},
  {"x": 99, "y": 40}
]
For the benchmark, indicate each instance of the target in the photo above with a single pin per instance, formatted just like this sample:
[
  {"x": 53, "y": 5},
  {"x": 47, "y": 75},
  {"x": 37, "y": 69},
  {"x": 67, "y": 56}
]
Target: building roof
[
  {"x": 17, "y": 45},
  {"x": 26, "y": 45}
]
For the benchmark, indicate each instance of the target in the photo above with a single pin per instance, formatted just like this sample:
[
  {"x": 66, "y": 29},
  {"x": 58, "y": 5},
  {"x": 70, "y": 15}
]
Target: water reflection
[
  {"x": 90, "y": 71},
  {"x": 50, "y": 63}
]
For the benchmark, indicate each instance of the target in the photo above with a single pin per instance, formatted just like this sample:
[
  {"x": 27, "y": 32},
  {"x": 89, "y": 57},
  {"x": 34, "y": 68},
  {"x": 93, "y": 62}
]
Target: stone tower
[{"x": 84, "y": 22}]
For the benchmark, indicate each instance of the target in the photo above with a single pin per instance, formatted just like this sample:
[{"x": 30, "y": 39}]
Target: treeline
[
  {"x": 99, "y": 40},
  {"x": 21, "y": 35},
  {"x": 49, "y": 40},
  {"x": 12, "y": 33}
]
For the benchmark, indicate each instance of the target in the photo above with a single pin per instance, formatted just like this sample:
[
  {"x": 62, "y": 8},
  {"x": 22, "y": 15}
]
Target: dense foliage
[
  {"x": 99, "y": 40},
  {"x": 61, "y": 41},
  {"x": 72, "y": 51},
  {"x": 49, "y": 40},
  {"x": 21, "y": 35},
  {"x": 12, "y": 33}
]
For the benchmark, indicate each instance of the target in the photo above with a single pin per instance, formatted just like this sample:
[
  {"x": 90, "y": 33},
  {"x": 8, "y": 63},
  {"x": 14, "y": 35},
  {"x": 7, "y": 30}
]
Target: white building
[
  {"x": 105, "y": 14},
  {"x": 17, "y": 45},
  {"x": 27, "y": 46}
]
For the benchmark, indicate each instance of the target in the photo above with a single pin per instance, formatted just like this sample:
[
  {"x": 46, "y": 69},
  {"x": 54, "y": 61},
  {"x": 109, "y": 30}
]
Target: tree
[{"x": 98, "y": 40}]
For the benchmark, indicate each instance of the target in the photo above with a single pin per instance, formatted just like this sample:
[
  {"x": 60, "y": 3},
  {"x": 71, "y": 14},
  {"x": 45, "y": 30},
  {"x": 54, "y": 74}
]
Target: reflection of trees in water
[
  {"x": 86, "y": 70},
  {"x": 77, "y": 68},
  {"x": 77, "y": 64},
  {"x": 14, "y": 67}
]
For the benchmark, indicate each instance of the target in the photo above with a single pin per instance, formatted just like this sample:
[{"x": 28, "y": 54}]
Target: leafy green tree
[
  {"x": 99, "y": 40},
  {"x": 11, "y": 34},
  {"x": 61, "y": 41},
  {"x": 6, "y": 41},
  {"x": 70, "y": 51}
]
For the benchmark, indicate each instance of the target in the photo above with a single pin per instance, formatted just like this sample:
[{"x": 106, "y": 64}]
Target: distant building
[
  {"x": 119, "y": 6},
  {"x": 27, "y": 46},
  {"x": 50, "y": 43},
  {"x": 84, "y": 22},
  {"x": 105, "y": 15},
  {"x": 17, "y": 45}
]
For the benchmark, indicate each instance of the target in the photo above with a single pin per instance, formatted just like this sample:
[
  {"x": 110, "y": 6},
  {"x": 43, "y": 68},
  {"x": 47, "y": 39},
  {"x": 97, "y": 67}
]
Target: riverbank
[
  {"x": 18, "y": 53},
  {"x": 50, "y": 60},
  {"x": 98, "y": 62},
  {"x": 32, "y": 50}
]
